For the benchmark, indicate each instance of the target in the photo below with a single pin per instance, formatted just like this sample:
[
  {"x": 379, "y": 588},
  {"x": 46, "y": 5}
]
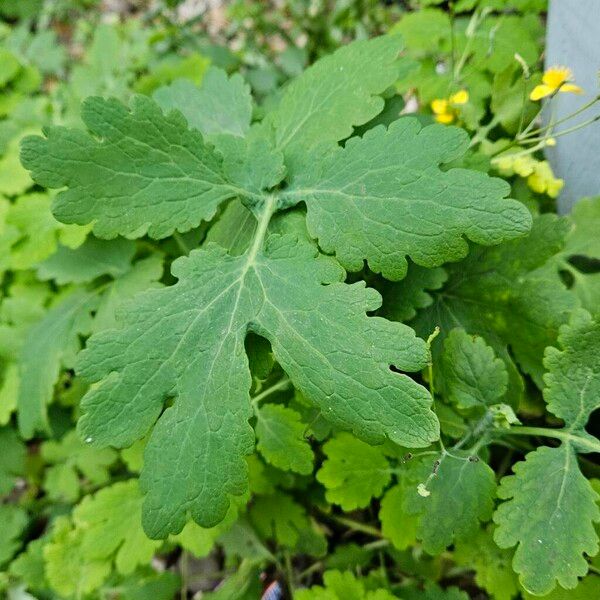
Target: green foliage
[{"x": 259, "y": 327}]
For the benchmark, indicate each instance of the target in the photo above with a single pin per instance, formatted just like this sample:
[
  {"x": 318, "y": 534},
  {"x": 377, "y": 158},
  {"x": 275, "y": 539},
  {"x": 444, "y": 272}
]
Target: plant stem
[
  {"x": 355, "y": 525},
  {"x": 567, "y": 118}
]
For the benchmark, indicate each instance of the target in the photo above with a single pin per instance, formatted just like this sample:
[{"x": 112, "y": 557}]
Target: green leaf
[
  {"x": 280, "y": 439},
  {"x": 221, "y": 105},
  {"x": 587, "y": 588},
  {"x": 582, "y": 242},
  {"x": 28, "y": 566},
  {"x": 68, "y": 570},
  {"x": 14, "y": 521},
  {"x": 279, "y": 518},
  {"x": 383, "y": 197},
  {"x": 134, "y": 179},
  {"x": 573, "y": 380},
  {"x": 193, "y": 345},
  {"x": 13, "y": 452},
  {"x": 397, "y": 525},
  {"x": 200, "y": 540},
  {"x": 504, "y": 295},
  {"x": 461, "y": 495},
  {"x": 583, "y": 237},
  {"x": 143, "y": 275},
  {"x": 321, "y": 106},
  {"x": 492, "y": 565},
  {"x": 14, "y": 179},
  {"x": 71, "y": 459},
  {"x": 473, "y": 376},
  {"x": 551, "y": 541},
  {"x": 9, "y": 391},
  {"x": 38, "y": 231},
  {"x": 90, "y": 260},
  {"x": 110, "y": 526},
  {"x": 549, "y": 515},
  {"x": 432, "y": 591},
  {"x": 156, "y": 586},
  {"x": 354, "y": 472},
  {"x": 48, "y": 343},
  {"x": 342, "y": 586},
  {"x": 402, "y": 299}
]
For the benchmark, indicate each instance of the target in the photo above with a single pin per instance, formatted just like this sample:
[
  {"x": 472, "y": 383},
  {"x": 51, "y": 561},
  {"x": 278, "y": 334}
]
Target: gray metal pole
[{"x": 573, "y": 40}]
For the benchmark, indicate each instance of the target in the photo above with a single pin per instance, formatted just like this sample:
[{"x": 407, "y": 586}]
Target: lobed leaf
[
  {"x": 383, "y": 197},
  {"x": 187, "y": 341}
]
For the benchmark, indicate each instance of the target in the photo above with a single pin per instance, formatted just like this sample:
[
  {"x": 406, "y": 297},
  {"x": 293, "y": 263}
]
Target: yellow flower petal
[
  {"x": 445, "y": 118},
  {"x": 571, "y": 87},
  {"x": 536, "y": 183},
  {"x": 461, "y": 97},
  {"x": 524, "y": 165},
  {"x": 505, "y": 165},
  {"x": 554, "y": 187},
  {"x": 551, "y": 141},
  {"x": 554, "y": 77},
  {"x": 540, "y": 91},
  {"x": 439, "y": 106}
]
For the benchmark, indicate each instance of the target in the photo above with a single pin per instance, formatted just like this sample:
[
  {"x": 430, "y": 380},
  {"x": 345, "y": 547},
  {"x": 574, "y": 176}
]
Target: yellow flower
[
  {"x": 524, "y": 165},
  {"x": 542, "y": 180},
  {"x": 443, "y": 108},
  {"x": 461, "y": 97},
  {"x": 442, "y": 111},
  {"x": 555, "y": 79}
]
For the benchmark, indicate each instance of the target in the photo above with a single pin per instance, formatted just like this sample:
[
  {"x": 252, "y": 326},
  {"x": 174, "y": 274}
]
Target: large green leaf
[
  {"x": 136, "y": 171},
  {"x": 383, "y": 197},
  {"x": 188, "y": 341}
]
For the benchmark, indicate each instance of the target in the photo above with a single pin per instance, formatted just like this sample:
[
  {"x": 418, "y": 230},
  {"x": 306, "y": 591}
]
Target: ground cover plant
[{"x": 324, "y": 338}]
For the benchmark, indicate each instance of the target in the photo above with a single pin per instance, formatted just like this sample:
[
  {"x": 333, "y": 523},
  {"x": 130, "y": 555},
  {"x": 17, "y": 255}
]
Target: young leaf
[
  {"x": 492, "y": 565},
  {"x": 69, "y": 458},
  {"x": 280, "y": 439},
  {"x": 68, "y": 570},
  {"x": 383, "y": 197},
  {"x": 342, "y": 586},
  {"x": 278, "y": 517},
  {"x": 188, "y": 339},
  {"x": 473, "y": 376},
  {"x": 14, "y": 521},
  {"x": 399, "y": 526},
  {"x": 47, "y": 344},
  {"x": 110, "y": 526},
  {"x": 354, "y": 472},
  {"x": 461, "y": 496}
]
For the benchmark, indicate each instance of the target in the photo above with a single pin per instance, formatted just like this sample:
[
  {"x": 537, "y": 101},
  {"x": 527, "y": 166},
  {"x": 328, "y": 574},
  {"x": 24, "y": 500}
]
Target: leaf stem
[
  {"x": 564, "y": 435},
  {"x": 264, "y": 218},
  {"x": 280, "y": 385}
]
